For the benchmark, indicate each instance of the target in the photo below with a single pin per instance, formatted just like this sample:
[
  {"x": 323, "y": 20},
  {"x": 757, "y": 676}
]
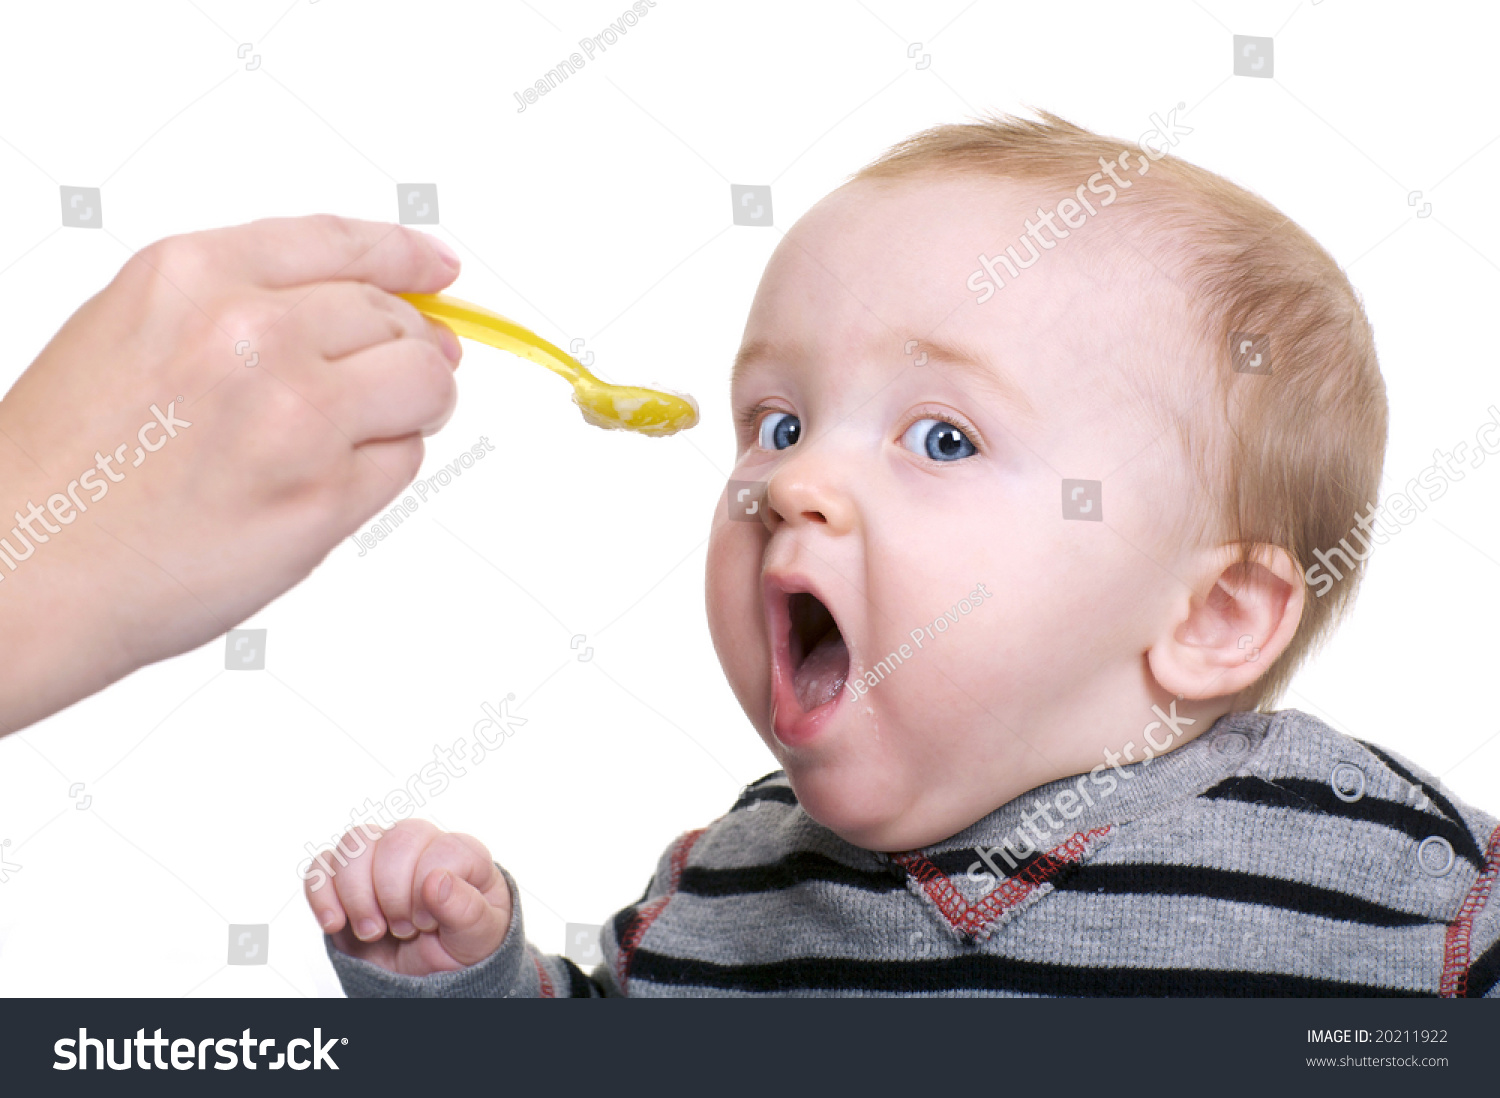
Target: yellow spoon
[{"x": 614, "y": 407}]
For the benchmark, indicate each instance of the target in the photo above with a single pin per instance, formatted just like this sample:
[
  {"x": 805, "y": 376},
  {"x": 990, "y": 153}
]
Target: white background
[{"x": 603, "y": 212}]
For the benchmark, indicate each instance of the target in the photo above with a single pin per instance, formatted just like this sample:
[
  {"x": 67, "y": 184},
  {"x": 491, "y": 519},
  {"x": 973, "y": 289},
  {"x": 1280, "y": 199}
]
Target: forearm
[{"x": 58, "y": 637}]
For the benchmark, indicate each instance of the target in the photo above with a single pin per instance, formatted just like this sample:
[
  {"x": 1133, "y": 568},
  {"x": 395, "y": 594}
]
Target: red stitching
[
  {"x": 975, "y": 918},
  {"x": 1455, "y": 981},
  {"x": 647, "y": 914},
  {"x": 547, "y": 990}
]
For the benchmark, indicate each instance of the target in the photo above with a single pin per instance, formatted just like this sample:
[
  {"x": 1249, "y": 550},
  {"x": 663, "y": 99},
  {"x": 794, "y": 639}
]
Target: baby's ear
[{"x": 1238, "y": 618}]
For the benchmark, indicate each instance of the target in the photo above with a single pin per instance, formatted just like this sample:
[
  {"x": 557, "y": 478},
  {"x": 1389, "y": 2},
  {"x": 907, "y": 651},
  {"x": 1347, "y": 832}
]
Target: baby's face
[{"x": 915, "y": 499}]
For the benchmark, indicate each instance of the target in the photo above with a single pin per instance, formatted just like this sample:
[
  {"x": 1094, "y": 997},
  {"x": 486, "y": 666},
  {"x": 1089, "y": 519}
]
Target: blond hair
[{"x": 1296, "y": 454}]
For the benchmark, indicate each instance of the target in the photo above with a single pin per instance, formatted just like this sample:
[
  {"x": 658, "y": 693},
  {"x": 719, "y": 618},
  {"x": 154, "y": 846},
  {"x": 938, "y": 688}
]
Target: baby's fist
[{"x": 415, "y": 900}]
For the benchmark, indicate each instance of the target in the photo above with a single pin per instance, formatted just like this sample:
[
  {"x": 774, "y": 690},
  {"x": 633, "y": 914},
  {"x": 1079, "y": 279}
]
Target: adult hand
[{"x": 199, "y": 435}]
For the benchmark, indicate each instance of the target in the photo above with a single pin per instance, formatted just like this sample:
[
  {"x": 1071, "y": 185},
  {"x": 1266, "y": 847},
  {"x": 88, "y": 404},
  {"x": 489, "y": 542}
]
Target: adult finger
[
  {"x": 341, "y": 318},
  {"x": 392, "y": 390},
  {"x": 380, "y": 472},
  {"x": 294, "y": 251}
]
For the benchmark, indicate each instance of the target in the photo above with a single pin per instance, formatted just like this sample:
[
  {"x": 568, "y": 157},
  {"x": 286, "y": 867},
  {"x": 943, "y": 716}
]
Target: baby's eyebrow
[
  {"x": 980, "y": 369},
  {"x": 750, "y": 352},
  {"x": 985, "y": 373}
]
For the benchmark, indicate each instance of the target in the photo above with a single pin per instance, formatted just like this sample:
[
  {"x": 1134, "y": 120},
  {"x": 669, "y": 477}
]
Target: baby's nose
[{"x": 802, "y": 492}]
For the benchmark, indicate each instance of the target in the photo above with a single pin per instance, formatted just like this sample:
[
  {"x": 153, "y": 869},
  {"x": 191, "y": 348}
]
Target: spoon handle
[{"x": 476, "y": 322}]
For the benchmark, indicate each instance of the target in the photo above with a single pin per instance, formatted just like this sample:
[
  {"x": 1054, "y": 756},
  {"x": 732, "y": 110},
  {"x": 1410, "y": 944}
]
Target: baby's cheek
[
  {"x": 975, "y": 673},
  {"x": 736, "y": 620}
]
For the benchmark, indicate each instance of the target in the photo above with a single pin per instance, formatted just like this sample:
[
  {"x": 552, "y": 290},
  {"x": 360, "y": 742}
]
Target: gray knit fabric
[{"x": 1270, "y": 856}]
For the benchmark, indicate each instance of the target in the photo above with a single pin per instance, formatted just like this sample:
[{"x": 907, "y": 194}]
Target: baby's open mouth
[{"x": 819, "y": 656}]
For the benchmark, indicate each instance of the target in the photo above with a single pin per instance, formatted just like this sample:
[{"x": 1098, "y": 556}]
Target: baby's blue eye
[
  {"x": 938, "y": 440},
  {"x": 779, "y": 430}
]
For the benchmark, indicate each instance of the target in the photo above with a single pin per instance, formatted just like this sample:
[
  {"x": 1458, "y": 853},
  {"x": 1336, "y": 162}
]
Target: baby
[{"x": 1038, "y": 434}]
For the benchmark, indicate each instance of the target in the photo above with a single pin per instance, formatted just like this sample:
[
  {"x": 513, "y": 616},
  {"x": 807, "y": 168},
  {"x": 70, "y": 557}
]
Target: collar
[
  {"x": 982, "y": 876},
  {"x": 1110, "y": 796}
]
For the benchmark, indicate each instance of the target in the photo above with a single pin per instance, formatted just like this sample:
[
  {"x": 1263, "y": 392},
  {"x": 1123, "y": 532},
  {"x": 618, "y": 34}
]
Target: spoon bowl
[{"x": 613, "y": 407}]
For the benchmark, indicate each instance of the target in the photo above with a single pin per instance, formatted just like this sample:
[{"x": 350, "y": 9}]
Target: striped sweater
[{"x": 1270, "y": 856}]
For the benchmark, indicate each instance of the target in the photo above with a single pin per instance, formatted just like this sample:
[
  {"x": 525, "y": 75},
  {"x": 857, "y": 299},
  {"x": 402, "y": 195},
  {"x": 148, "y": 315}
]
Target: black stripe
[
  {"x": 798, "y": 868},
  {"x": 956, "y": 863},
  {"x": 807, "y": 867},
  {"x": 1147, "y": 879},
  {"x": 1222, "y": 884},
  {"x": 986, "y": 972},
  {"x": 1484, "y": 973},
  {"x": 626, "y": 917},
  {"x": 769, "y": 777},
  {"x": 779, "y": 793},
  {"x": 580, "y": 986},
  {"x": 623, "y": 920},
  {"x": 1444, "y": 805},
  {"x": 1305, "y": 794}
]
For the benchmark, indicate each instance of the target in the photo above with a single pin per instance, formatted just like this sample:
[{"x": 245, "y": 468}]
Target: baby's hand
[{"x": 416, "y": 901}]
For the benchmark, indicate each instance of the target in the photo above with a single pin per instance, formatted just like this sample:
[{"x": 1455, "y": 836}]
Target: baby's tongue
[{"x": 820, "y": 677}]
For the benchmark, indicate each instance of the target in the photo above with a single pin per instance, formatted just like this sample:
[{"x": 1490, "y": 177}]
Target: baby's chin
[{"x": 855, "y": 802}]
